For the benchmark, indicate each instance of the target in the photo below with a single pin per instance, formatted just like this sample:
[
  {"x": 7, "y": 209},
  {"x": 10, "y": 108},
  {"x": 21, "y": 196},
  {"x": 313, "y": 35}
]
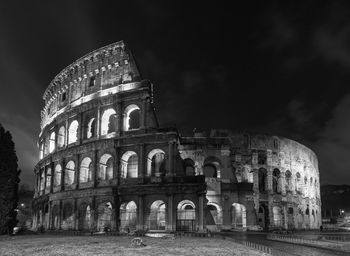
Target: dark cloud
[{"x": 274, "y": 67}]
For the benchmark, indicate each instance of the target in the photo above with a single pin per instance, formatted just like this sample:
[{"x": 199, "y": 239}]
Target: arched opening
[
  {"x": 91, "y": 128},
  {"x": 262, "y": 179},
  {"x": 132, "y": 117},
  {"x": 86, "y": 169},
  {"x": 186, "y": 216},
  {"x": 108, "y": 121},
  {"x": 61, "y": 137},
  {"x": 156, "y": 216},
  {"x": 69, "y": 173},
  {"x": 276, "y": 181},
  {"x": 263, "y": 216},
  {"x": 129, "y": 165},
  {"x": 68, "y": 217},
  {"x": 288, "y": 181},
  {"x": 215, "y": 214},
  {"x": 277, "y": 217},
  {"x": 128, "y": 216},
  {"x": 105, "y": 217},
  {"x": 42, "y": 180},
  {"x": 312, "y": 220},
  {"x": 247, "y": 174},
  {"x": 57, "y": 175},
  {"x": 211, "y": 167},
  {"x": 238, "y": 216},
  {"x": 55, "y": 217},
  {"x": 41, "y": 151},
  {"x": 52, "y": 143},
  {"x": 156, "y": 163},
  {"x": 106, "y": 167},
  {"x": 290, "y": 218},
  {"x": 73, "y": 132},
  {"x": 84, "y": 217},
  {"x": 48, "y": 178},
  {"x": 189, "y": 167},
  {"x": 297, "y": 183},
  {"x": 300, "y": 219}
]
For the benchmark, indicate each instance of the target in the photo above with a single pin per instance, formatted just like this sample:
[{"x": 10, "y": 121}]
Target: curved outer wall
[{"x": 106, "y": 165}]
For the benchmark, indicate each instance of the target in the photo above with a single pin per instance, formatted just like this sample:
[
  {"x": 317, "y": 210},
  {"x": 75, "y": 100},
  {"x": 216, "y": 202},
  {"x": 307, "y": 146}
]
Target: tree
[{"x": 9, "y": 179}]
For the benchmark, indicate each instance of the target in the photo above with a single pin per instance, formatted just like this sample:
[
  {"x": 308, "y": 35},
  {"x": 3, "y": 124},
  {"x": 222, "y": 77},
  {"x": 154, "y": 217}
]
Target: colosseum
[{"x": 106, "y": 164}]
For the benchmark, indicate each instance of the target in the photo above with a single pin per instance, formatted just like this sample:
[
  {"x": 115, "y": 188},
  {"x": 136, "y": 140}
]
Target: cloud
[{"x": 333, "y": 145}]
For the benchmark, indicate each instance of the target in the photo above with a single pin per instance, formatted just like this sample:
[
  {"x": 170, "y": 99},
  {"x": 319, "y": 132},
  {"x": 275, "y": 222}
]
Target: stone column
[
  {"x": 52, "y": 176},
  {"x": 98, "y": 122},
  {"x": 143, "y": 123},
  {"x": 141, "y": 158},
  {"x": 95, "y": 172},
  {"x": 63, "y": 173},
  {"x": 269, "y": 179},
  {"x": 170, "y": 226},
  {"x": 77, "y": 171},
  {"x": 80, "y": 134},
  {"x": 75, "y": 214},
  {"x": 60, "y": 215},
  {"x": 255, "y": 179},
  {"x": 171, "y": 156},
  {"x": 66, "y": 133},
  {"x": 201, "y": 213},
  {"x": 285, "y": 216},
  {"x": 283, "y": 182},
  {"x": 140, "y": 211}
]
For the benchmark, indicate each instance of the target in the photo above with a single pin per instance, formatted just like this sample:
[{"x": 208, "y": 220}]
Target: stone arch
[
  {"x": 238, "y": 216},
  {"x": 247, "y": 174},
  {"x": 156, "y": 163},
  {"x": 105, "y": 167},
  {"x": 55, "y": 217},
  {"x": 189, "y": 167},
  {"x": 298, "y": 183},
  {"x": 132, "y": 116},
  {"x": 155, "y": 217},
  {"x": 85, "y": 217},
  {"x": 68, "y": 216},
  {"x": 277, "y": 217},
  {"x": 105, "y": 217},
  {"x": 108, "y": 121},
  {"x": 57, "y": 175},
  {"x": 276, "y": 181},
  {"x": 128, "y": 216},
  {"x": 262, "y": 179},
  {"x": 69, "y": 173},
  {"x": 48, "y": 178},
  {"x": 288, "y": 177},
  {"x": 90, "y": 131},
  {"x": 61, "y": 137},
  {"x": 42, "y": 180},
  {"x": 186, "y": 216},
  {"x": 263, "y": 216},
  {"x": 52, "y": 143},
  {"x": 211, "y": 167},
  {"x": 73, "y": 132},
  {"x": 215, "y": 212},
  {"x": 86, "y": 169},
  {"x": 129, "y": 165}
]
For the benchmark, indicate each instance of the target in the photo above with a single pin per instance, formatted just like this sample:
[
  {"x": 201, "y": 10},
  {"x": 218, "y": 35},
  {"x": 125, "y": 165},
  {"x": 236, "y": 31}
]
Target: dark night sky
[{"x": 263, "y": 67}]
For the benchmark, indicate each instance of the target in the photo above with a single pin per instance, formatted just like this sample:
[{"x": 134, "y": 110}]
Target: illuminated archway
[
  {"x": 73, "y": 132},
  {"x": 106, "y": 167},
  {"x": 131, "y": 117},
  {"x": 108, "y": 121},
  {"x": 186, "y": 216},
  {"x": 86, "y": 169},
  {"x": 69, "y": 173},
  {"x": 238, "y": 216},
  {"x": 156, "y": 163},
  {"x": 128, "y": 216},
  {"x": 129, "y": 165},
  {"x": 156, "y": 216}
]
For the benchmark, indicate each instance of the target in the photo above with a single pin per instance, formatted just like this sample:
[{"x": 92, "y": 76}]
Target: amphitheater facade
[{"x": 106, "y": 164}]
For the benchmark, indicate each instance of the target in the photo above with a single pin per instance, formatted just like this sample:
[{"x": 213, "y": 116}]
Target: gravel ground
[{"x": 46, "y": 245}]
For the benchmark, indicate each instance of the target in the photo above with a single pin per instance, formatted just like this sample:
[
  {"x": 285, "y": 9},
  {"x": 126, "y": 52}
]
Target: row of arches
[
  {"x": 155, "y": 216},
  {"x": 129, "y": 165},
  {"x": 288, "y": 182},
  {"x": 108, "y": 125}
]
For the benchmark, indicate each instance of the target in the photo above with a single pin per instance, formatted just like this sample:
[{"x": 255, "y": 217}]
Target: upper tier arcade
[{"x": 108, "y": 70}]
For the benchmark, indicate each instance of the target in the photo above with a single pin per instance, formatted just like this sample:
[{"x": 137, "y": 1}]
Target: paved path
[{"x": 286, "y": 249}]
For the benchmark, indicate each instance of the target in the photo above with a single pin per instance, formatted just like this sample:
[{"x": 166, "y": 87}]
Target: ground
[{"x": 46, "y": 245}]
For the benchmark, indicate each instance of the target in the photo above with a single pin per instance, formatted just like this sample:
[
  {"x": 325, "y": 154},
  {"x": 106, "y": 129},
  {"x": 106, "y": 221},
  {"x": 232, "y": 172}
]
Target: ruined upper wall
[{"x": 110, "y": 69}]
